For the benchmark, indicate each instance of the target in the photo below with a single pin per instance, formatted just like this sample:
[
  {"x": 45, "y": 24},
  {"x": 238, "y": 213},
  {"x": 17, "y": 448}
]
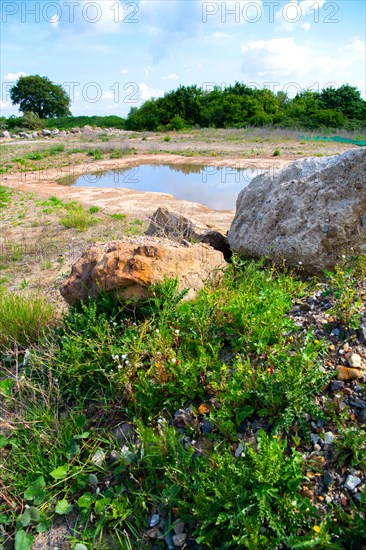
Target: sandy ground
[{"x": 137, "y": 203}]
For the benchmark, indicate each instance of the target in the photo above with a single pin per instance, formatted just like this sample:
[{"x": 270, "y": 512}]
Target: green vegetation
[
  {"x": 39, "y": 97},
  {"x": 24, "y": 318},
  {"x": 214, "y": 399},
  {"x": 240, "y": 106},
  {"x": 77, "y": 217}
]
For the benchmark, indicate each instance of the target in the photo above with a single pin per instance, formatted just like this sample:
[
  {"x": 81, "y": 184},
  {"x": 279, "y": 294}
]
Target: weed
[
  {"x": 96, "y": 154},
  {"x": 5, "y": 194},
  {"x": 276, "y": 153},
  {"x": 77, "y": 217},
  {"x": 93, "y": 209},
  {"x": 119, "y": 217}
]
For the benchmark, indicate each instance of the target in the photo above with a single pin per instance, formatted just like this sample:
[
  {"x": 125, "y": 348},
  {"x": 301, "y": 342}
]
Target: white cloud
[
  {"x": 171, "y": 76},
  {"x": 85, "y": 16},
  {"x": 124, "y": 71},
  {"x": 293, "y": 13},
  {"x": 147, "y": 93},
  {"x": 281, "y": 60},
  {"x": 13, "y": 77}
]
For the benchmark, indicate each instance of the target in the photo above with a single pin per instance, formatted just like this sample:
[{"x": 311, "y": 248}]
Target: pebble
[
  {"x": 155, "y": 519},
  {"x": 178, "y": 526},
  {"x": 317, "y": 447},
  {"x": 355, "y": 361},
  {"x": 98, "y": 457},
  {"x": 239, "y": 450},
  {"x": 352, "y": 482},
  {"x": 345, "y": 373},
  {"x": 180, "y": 539},
  {"x": 329, "y": 438},
  {"x": 206, "y": 426},
  {"x": 328, "y": 478},
  {"x": 314, "y": 438}
]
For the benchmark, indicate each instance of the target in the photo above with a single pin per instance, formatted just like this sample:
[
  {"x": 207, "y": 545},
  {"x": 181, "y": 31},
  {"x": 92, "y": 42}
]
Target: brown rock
[
  {"x": 346, "y": 373},
  {"x": 130, "y": 267}
]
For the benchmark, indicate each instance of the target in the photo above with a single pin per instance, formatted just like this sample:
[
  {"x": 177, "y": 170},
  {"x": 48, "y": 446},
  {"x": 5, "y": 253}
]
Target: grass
[
  {"x": 190, "y": 379},
  {"x": 79, "y": 218},
  {"x": 24, "y": 318}
]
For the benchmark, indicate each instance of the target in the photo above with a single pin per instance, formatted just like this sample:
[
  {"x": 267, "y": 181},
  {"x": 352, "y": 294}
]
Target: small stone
[
  {"x": 314, "y": 438},
  {"x": 336, "y": 385},
  {"x": 346, "y": 347},
  {"x": 345, "y": 373},
  {"x": 317, "y": 447},
  {"x": 355, "y": 361},
  {"x": 98, "y": 457},
  {"x": 178, "y": 526},
  {"x": 204, "y": 409},
  {"x": 344, "y": 501},
  {"x": 332, "y": 347},
  {"x": 352, "y": 482},
  {"x": 180, "y": 539},
  {"x": 347, "y": 391},
  {"x": 206, "y": 426},
  {"x": 307, "y": 493},
  {"x": 124, "y": 432},
  {"x": 155, "y": 519},
  {"x": 329, "y": 438},
  {"x": 239, "y": 450}
]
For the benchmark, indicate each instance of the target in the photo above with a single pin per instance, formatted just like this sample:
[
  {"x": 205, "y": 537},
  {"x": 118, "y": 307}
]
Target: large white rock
[{"x": 310, "y": 213}]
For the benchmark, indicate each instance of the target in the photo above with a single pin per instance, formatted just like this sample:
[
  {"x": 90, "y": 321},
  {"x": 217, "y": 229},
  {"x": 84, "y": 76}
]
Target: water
[{"x": 213, "y": 186}]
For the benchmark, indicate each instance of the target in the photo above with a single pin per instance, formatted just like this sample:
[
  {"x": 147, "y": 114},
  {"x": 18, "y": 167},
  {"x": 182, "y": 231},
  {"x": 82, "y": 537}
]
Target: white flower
[
  {"x": 114, "y": 323},
  {"x": 124, "y": 356},
  {"x": 157, "y": 331},
  {"x": 127, "y": 362},
  {"x": 176, "y": 331},
  {"x": 119, "y": 366},
  {"x": 174, "y": 360}
]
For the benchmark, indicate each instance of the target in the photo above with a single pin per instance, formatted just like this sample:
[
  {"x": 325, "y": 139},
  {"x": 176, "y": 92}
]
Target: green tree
[
  {"x": 346, "y": 99},
  {"x": 40, "y": 96}
]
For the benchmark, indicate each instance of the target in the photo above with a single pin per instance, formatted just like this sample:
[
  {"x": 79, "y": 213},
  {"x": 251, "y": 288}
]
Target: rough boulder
[
  {"x": 310, "y": 213},
  {"x": 130, "y": 267},
  {"x": 166, "y": 223}
]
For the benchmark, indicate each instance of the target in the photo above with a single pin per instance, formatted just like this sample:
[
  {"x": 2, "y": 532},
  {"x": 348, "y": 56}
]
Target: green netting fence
[{"x": 361, "y": 143}]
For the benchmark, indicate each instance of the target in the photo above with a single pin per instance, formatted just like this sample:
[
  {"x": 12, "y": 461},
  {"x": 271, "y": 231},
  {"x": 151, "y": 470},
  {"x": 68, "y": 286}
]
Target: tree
[{"x": 40, "y": 96}]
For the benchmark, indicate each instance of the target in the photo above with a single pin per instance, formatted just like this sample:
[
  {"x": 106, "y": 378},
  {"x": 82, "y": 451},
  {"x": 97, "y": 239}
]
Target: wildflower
[
  {"x": 174, "y": 360},
  {"x": 176, "y": 331},
  {"x": 300, "y": 263},
  {"x": 115, "y": 357},
  {"x": 316, "y": 342},
  {"x": 127, "y": 362},
  {"x": 316, "y": 528},
  {"x": 157, "y": 331},
  {"x": 119, "y": 366},
  {"x": 124, "y": 356},
  {"x": 114, "y": 323},
  {"x": 250, "y": 371}
]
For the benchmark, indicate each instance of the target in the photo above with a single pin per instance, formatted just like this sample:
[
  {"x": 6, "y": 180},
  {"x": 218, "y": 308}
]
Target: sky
[{"x": 111, "y": 55}]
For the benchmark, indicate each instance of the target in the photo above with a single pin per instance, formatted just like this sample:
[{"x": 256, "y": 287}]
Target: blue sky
[{"x": 110, "y": 55}]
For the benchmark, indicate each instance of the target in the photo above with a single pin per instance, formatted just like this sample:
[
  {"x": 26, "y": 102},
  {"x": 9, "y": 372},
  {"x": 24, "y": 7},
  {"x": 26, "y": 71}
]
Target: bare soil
[{"x": 36, "y": 251}]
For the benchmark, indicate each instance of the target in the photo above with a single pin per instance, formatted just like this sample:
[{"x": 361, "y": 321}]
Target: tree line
[
  {"x": 44, "y": 103},
  {"x": 239, "y": 105}
]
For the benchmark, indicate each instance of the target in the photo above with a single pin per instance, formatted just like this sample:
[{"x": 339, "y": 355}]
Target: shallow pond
[{"x": 214, "y": 186}]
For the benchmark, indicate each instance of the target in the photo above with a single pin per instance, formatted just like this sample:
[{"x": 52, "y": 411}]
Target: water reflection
[{"x": 215, "y": 186}]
